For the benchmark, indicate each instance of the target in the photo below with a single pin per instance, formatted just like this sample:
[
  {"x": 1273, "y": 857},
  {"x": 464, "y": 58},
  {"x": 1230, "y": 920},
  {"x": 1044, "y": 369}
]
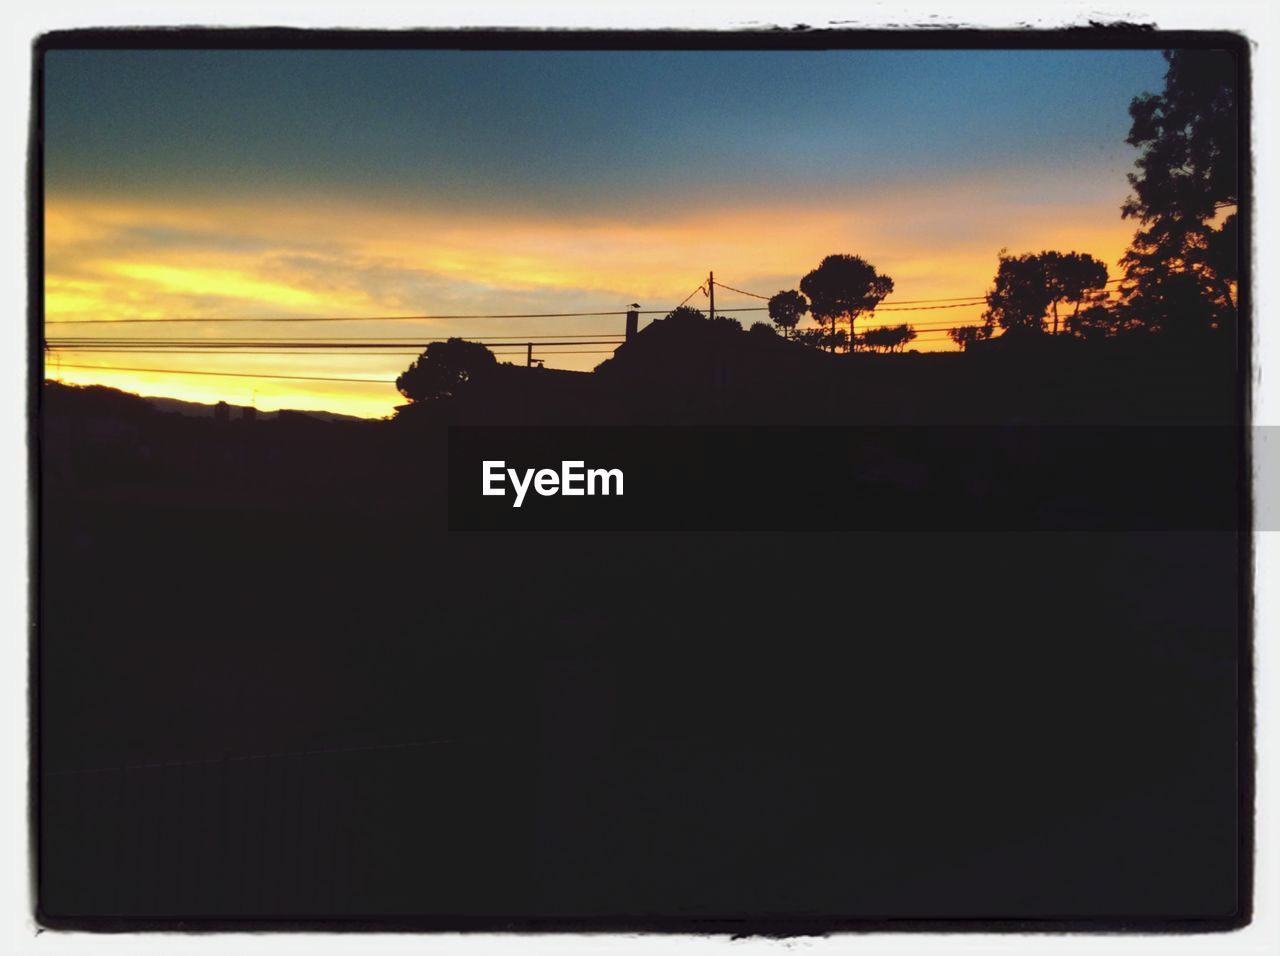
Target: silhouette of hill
[
  {"x": 88, "y": 398},
  {"x": 203, "y": 410}
]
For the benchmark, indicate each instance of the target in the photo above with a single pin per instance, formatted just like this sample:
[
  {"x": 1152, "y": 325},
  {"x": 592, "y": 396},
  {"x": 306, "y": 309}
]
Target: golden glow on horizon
[
  {"x": 111, "y": 259},
  {"x": 265, "y": 395}
]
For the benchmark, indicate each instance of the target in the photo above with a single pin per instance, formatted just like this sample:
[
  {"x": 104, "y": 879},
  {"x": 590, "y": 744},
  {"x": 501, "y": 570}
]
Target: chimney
[{"x": 633, "y": 324}]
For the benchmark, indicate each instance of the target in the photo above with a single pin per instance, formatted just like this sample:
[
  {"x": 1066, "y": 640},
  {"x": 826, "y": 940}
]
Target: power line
[
  {"x": 187, "y": 371},
  {"x": 960, "y": 300},
  {"x": 344, "y": 342},
  {"x": 894, "y": 304},
  {"x": 753, "y": 295},
  {"x": 221, "y": 320},
  {"x": 929, "y": 308},
  {"x": 593, "y": 338},
  {"x": 700, "y": 288},
  {"x": 915, "y": 325},
  {"x": 373, "y": 339},
  {"x": 357, "y": 318},
  {"x": 883, "y": 308},
  {"x": 333, "y": 345},
  {"x": 954, "y": 298},
  {"x": 580, "y": 352},
  {"x": 301, "y": 346},
  {"x": 880, "y": 308},
  {"x": 181, "y": 351},
  {"x": 302, "y": 378}
]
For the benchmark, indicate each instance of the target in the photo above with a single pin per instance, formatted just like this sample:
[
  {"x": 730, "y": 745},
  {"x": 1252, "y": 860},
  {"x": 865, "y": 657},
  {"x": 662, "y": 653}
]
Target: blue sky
[{"x": 591, "y": 130}]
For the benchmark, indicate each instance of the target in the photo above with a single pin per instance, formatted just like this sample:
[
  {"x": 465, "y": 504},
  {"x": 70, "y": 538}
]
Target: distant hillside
[{"x": 199, "y": 409}]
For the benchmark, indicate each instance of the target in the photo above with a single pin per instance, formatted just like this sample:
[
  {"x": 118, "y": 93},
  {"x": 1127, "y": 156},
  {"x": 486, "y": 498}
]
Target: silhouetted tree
[
  {"x": 762, "y": 329},
  {"x": 1187, "y": 174},
  {"x": 1021, "y": 295},
  {"x": 814, "y": 338},
  {"x": 1222, "y": 257},
  {"x": 965, "y": 335},
  {"x": 787, "y": 308},
  {"x": 1095, "y": 322},
  {"x": 889, "y": 338},
  {"x": 843, "y": 287},
  {"x": 1073, "y": 277},
  {"x": 1181, "y": 303},
  {"x": 443, "y": 368},
  {"x": 1029, "y": 287},
  {"x": 823, "y": 337}
]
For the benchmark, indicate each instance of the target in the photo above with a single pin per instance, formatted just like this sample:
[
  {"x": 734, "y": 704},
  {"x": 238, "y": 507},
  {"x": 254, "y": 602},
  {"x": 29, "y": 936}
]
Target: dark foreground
[{"x": 296, "y": 709}]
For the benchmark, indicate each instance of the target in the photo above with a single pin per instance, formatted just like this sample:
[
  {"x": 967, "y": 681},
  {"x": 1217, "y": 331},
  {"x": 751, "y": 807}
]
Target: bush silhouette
[{"x": 444, "y": 368}]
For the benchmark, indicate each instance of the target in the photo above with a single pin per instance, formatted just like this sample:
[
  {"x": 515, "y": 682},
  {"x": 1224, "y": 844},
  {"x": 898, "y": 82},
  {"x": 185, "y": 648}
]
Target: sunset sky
[{"x": 218, "y": 185}]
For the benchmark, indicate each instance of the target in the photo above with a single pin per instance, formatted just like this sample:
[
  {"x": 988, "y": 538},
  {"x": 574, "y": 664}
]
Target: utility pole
[
  {"x": 711, "y": 286},
  {"x": 529, "y": 357}
]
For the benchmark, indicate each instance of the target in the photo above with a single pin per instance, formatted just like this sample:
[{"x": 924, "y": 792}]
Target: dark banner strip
[{"x": 1031, "y": 478}]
